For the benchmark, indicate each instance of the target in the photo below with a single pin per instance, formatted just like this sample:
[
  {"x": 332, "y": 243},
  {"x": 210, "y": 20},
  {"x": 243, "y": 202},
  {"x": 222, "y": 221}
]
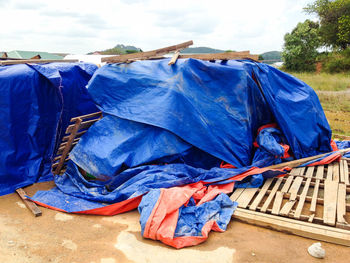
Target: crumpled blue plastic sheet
[{"x": 37, "y": 102}]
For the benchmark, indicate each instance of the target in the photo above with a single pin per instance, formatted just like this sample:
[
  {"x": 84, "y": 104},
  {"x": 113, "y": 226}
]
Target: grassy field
[
  {"x": 334, "y": 93},
  {"x": 325, "y": 81}
]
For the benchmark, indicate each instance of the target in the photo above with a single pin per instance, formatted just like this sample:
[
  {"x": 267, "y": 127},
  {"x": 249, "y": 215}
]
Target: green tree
[
  {"x": 334, "y": 19},
  {"x": 300, "y": 47}
]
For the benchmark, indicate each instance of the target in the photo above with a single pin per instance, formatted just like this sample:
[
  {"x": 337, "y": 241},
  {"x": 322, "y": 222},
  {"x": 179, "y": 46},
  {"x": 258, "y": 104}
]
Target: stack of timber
[
  {"x": 157, "y": 54},
  {"x": 311, "y": 201}
]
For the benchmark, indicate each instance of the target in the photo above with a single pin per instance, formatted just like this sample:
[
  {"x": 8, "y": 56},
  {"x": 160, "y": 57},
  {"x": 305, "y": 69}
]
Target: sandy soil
[{"x": 59, "y": 237}]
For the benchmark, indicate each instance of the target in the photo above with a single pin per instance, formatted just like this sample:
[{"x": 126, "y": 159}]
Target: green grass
[
  {"x": 336, "y": 105},
  {"x": 325, "y": 81}
]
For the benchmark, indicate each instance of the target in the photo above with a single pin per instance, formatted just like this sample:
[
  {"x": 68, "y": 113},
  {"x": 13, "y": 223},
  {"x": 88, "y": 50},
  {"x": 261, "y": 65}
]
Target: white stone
[{"x": 316, "y": 250}]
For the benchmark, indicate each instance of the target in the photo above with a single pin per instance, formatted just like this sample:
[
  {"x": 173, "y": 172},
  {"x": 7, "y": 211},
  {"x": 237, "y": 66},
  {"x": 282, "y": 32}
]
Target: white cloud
[{"x": 81, "y": 26}]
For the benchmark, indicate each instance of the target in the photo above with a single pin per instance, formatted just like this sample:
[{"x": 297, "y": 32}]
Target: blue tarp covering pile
[
  {"x": 166, "y": 133},
  {"x": 37, "y": 102}
]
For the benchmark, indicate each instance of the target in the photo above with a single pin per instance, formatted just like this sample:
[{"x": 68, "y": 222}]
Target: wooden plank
[
  {"x": 277, "y": 203},
  {"x": 336, "y": 171},
  {"x": 330, "y": 172},
  {"x": 244, "y": 199},
  {"x": 314, "y": 197},
  {"x": 261, "y": 194},
  {"x": 330, "y": 202},
  {"x": 271, "y": 195},
  {"x": 295, "y": 171},
  {"x": 29, "y": 204},
  {"x": 295, "y": 188},
  {"x": 287, "y": 208},
  {"x": 310, "y": 171},
  {"x": 319, "y": 172},
  {"x": 95, "y": 115},
  {"x": 83, "y": 125},
  {"x": 298, "y": 162},
  {"x": 36, "y": 61},
  {"x": 174, "y": 58},
  {"x": 293, "y": 191},
  {"x": 302, "y": 199},
  {"x": 236, "y": 194},
  {"x": 297, "y": 227},
  {"x": 156, "y": 52},
  {"x": 78, "y": 135},
  {"x": 287, "y": 184},
  {"x": 341, "y": 205},
  {"x": 346, "y": 172},
  {"x": 222, "y": 56}
]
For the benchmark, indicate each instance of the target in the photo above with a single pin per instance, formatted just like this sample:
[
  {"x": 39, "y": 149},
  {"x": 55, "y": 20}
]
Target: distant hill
[
  {"x": 271, "y": 55},
  {"x": 200, "y": 50},
  {"x": 123, "y": 49},
  {"x": 119, "y": 49}
]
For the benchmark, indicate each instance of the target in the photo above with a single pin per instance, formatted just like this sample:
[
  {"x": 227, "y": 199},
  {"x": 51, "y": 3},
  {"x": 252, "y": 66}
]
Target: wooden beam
[
  {"x": 298, "y": 162},
  {"x": 36, "y": 61},
  {"x": 29, "y": 204},
  {"x": 156, "y": 52},
  {"x": 222, "y": 56},
  {"x": 291, "y": 226},
  {"x": 174, "y": 58}
]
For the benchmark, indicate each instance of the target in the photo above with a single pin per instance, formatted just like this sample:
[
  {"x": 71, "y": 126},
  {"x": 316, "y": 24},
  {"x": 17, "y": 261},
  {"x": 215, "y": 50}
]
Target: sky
[{"x": 82, "y": 26}]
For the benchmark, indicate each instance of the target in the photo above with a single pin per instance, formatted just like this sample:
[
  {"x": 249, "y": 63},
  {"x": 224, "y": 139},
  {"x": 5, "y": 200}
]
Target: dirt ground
[{"x": 59, "y": 237}]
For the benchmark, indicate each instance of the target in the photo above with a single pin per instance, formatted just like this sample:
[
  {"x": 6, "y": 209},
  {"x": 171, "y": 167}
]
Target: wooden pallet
[
  {"x": 79, "y": 125},
  {"x": 309, "y": 201}
]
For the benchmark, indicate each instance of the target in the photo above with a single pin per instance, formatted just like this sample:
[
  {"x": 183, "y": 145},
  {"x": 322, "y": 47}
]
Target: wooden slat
[
  {"x": 78, "y": 135},
  {"x": 261, "y": 194},
  {"x": 293, "y": 191},
  {"x": 346, "y": 172},
  {"x": 277, "y": 203},
  {"x": 95, "y": 115},
  {"x": 341, "y": 205},
  {"x": 174, "y": 58},
  {"x": 222, "y": 56},
  {"x": 302, "y": 199},
  {"x": 271, "y": 195},
  {"x": 319, "y": 172},
  {"x": 330, "y": 202},
  {"x": 295, "y": 187},
  {"x": 314, "y": 197},
  {"x": 310, "y": 172},
  {"x": 297, "y": 227},
  {"x": 336, "y": 171},
  {"x": 83, "y": 125},
  {"x": 156, "y": 52},
  {"x": 330, "y": 172},
  {"x": 63, "y": 146},
  {"x": 29, "y": 204},
  {"x": 287, "y": 184},
  {"x": 236, "y": 194},
  {"x": 36, "y": 61},
  {"x": 245, "y": 198}
]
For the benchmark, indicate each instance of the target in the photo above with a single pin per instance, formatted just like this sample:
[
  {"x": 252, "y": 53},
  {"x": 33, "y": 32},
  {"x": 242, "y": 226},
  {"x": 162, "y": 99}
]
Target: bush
[{"x": 337, "y": 62}]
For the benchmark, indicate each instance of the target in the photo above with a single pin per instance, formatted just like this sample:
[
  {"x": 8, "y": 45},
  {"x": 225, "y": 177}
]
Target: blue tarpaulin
[
  {"x": 37, "y": 102},
  {"x": 168, "y": 130}
]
